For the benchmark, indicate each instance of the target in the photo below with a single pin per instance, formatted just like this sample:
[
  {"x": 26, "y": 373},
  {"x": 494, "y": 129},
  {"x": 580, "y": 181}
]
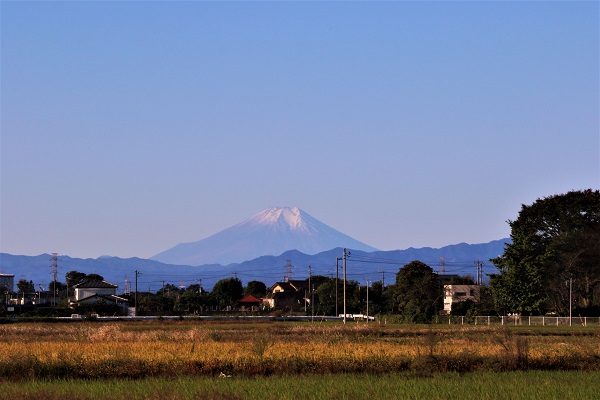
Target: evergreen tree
[{"x": 553, "y": 240}]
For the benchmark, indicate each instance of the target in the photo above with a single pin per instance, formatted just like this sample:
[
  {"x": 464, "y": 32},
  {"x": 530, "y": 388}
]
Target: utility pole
[
  {"x": 337, "y": 281},
  {"x": 54, "y": 273},
  {"x": 382, "y": 280},
  {"x": 312, "y": 303},
  {"x": 309, "y": 276},
  {"x": 305, "y": 300},
  {"x": 137, "y": 273},
  {"x": 345, "y": 256},
  {"x": 368, "y": 301},
  {"x": 479, "y": 266},
  {"x": 570, "y": 301}
]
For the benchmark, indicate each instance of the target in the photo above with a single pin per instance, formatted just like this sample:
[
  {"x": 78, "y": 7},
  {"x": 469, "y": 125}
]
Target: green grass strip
[{"x": 485, "y": 385}]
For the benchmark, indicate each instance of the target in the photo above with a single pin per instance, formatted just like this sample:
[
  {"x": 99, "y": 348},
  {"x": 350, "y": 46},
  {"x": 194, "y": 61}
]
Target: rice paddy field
[{"x": 285, "y": 360}]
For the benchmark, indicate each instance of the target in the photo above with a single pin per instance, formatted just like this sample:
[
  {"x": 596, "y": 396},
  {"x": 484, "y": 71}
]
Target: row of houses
[
  {"x": 287, "y": 295},
  {"x": 294, "y": 293},
  {"x": 86, "y": 293}
]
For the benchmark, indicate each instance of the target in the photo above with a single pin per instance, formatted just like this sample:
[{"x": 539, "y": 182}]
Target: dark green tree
[
  {"x": 170, "y": 291},
  {"x": 227, "y": 291},
  {"x": 194, "y": 288},
  {"x": 94, "y": 277},
  {"x": 190, "y": 302},
  {"x": 256, "y": 288},
  {"x": 72, "y": 278},
  {"x": 417, "y": 293},
  {"x": 25, "y": 286},
  {"x": 576, "y": 269},
  {"x": 555, "y": 239},
  {"x": 325, "y": 298},
  {"x": 353, "y": 297},
  {"x": 377, "y": 300}
]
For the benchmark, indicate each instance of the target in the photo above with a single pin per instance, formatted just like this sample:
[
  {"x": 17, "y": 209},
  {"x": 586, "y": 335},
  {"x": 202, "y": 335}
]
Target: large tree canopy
[
  {"x": 227, "y": 291},
  {"x": 257, "y": 289},
  {"x": 74, "y": 277},
  {"x": 25, "y": 286},
  {"x": 553, "y": 240},
  {"x": 325, "y": 297},
  {"x": 417, "y": 294}
]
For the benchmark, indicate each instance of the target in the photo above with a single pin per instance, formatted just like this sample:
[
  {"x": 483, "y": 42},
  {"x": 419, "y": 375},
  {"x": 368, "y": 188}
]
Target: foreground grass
[{"x": 481, "y": 385}]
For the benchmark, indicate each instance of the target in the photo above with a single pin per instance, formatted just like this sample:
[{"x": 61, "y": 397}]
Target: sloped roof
[
  {"x": 110, "y": 298},
  {"x": 95, "y": 285},
  {"x": 299, "y": 285},
  {"x": 285, "y": 286},
  {"x": 249, "y": 299}
]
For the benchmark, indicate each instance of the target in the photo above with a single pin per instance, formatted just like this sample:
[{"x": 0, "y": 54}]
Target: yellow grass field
[{"x": 183, "y": 348}]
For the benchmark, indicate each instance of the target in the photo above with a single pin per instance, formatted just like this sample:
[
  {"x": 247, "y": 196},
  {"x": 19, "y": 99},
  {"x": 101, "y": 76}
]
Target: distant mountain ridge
[
  {"x": 459, "y": 259},
  {"x": 271, "y": 232}
]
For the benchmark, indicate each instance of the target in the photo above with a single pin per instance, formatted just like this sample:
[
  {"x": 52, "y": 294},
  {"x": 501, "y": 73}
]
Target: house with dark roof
[
  {"x": 98, "y": 292},
  {"x": 87, "y": 289},
  {"x": 292, "y": 294}
]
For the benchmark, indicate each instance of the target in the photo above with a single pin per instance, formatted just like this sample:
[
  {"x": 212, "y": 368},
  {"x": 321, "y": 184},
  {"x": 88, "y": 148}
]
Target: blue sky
[{"x": 129, "y": 127}]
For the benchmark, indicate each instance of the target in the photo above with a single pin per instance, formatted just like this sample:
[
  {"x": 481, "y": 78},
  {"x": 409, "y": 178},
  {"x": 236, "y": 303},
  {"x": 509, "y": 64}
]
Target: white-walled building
[
  {"x": 457, "y": 293},
  {"x": 91, "y": 288}
]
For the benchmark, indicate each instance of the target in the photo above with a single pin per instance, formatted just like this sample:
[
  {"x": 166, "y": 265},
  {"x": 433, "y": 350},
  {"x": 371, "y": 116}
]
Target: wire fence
[{"x": 517, "y": 320}]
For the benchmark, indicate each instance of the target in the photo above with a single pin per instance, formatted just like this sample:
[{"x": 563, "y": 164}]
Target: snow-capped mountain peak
[
  {"x": 289, "y": 217},
  {"x": 270, "y": 232}
]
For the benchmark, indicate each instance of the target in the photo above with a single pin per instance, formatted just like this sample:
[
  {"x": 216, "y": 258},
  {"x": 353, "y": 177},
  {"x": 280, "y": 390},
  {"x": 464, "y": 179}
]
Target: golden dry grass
[{"x": 132, "y": 349}]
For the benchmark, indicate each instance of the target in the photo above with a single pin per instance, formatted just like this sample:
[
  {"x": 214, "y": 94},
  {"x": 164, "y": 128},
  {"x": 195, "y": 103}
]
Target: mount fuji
[{"x": 271, "y": 232}]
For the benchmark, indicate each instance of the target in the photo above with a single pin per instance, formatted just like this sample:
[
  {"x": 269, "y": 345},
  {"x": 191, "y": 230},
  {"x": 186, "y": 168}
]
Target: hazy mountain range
[
  {"x": 361, "y": 265},
  {"x": 268, "y": 233},
  {"x": 277, "y": 242}
]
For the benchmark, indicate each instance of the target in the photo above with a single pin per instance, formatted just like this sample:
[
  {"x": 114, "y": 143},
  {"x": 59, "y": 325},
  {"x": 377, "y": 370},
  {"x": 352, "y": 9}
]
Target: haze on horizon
[{"x": 130, "y": 127}]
